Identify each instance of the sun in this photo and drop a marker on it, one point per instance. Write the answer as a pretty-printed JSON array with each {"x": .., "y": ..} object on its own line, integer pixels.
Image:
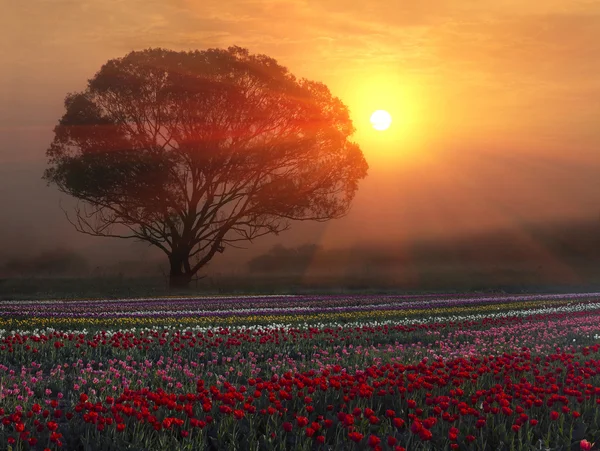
[{"x": 381, "y": 120}]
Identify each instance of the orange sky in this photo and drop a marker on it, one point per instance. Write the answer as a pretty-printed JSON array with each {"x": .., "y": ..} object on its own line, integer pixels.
[{"x": 496, "y": 103}]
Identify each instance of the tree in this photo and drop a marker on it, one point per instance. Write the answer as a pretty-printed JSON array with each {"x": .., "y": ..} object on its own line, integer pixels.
[{"x": 196, "y": 151}]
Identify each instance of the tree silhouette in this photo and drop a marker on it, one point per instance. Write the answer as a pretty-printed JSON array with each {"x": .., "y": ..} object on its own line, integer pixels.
[{"x": 196, "y": 151}]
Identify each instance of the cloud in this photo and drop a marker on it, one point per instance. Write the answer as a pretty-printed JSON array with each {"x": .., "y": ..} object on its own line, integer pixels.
[
  {"x": 492, "y": 37},
  {"x": 499, "y": 56}
]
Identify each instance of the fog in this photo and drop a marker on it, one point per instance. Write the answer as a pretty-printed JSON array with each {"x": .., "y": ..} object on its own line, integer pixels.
[{"x": 486, "y": 140}]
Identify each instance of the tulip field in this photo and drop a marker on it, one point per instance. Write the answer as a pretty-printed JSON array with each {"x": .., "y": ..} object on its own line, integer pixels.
[{"x": 343, "y": 372}]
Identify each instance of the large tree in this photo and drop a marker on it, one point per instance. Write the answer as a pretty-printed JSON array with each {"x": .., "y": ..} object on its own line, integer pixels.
[{"x": 196, "y": 151}]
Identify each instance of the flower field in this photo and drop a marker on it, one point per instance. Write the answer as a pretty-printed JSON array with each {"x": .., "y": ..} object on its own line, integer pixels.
[{"x": 302, "y": 373}]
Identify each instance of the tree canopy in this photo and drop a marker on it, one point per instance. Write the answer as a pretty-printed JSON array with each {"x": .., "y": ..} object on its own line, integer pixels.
[{"x": 196, "y": 151}]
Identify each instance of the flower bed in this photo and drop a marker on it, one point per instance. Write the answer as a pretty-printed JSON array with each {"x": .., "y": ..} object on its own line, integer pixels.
[{"x": 307, "y": 373}]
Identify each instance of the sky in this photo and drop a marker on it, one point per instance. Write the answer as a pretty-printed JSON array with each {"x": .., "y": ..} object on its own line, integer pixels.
[{"x": 495, "y": 103}]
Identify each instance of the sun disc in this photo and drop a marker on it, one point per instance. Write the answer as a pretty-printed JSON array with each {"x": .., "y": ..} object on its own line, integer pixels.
[{"x": 381, "y": 120}]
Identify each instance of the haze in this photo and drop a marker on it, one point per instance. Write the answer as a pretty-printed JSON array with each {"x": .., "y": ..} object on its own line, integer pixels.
[{"x": 496, "y": 107}]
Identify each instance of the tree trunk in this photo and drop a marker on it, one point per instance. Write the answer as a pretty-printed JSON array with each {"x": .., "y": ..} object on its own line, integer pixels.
[
  {"x": 179, "y": 281},
  {"x": 178, "y": 277}
]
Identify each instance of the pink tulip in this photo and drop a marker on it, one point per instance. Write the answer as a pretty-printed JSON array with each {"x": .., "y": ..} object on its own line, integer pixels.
[{"x": 585, "y": 445}]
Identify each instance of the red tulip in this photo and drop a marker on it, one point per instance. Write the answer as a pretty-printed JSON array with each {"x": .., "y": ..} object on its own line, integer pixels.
[
  {"x": 374, "y": 441},
  {"x": 425, "y": 434},
  {"x": 584, "y": 445},
  {"x": 398, "y": 422},
  {"x": 355, "y": 436},
  {"x": 301, "y": 421}
]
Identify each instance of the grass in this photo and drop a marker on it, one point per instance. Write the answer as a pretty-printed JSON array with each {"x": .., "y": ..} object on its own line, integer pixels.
[{"x": 114, "y": 287}]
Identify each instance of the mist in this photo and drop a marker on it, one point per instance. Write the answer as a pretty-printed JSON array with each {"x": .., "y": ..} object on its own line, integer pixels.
[{"x": 486, "y": 142}]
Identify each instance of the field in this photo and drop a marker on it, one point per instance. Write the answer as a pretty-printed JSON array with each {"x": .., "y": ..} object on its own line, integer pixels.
[{"x": 337, "y": 372}]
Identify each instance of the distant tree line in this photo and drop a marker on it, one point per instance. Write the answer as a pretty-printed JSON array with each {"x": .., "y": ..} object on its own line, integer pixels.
[
  {"x": 537, "y": 252},
  {"x": 47, "y": 263},
  {"x": 62, "y": 262}
]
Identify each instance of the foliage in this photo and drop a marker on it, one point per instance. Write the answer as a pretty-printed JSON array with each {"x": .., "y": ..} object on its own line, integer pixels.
[{"x": 195, "y": 151}]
